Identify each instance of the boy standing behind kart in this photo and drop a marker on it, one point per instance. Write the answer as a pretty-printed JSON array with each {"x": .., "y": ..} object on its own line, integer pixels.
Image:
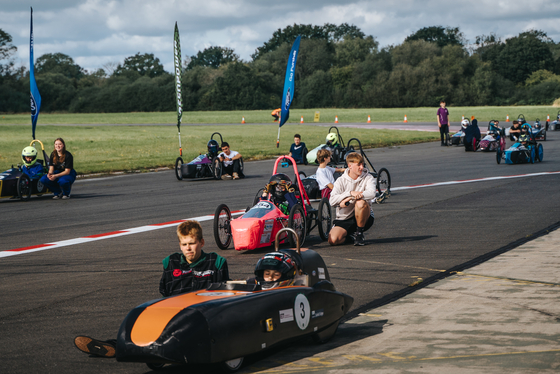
[
  {"x": 189, "y": 270},
  {"x": 443, "y": 122},
  {"x": 325, "y": 174}
]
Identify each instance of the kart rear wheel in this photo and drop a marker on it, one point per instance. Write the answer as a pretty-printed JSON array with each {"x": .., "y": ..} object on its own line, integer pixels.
[
  {"x": 217, "y": 168},
  {"x": 325, "y": 218},
  {"x": 447, "y": 139},
  {"x": 302, "y": 175},
  {"x": 498, "y": 156},
  {"x": 178, "y": 168},
  {"x": 540, "y": 152},
  {"x": 325, "y": 335},
  {"x": 155, "y": 367},
  {"x": 232, "y": 366},
  {"x": 532, "y": 156},
  {"x": 474, "y": 145},
  {"x": 24, "y": 187},
  {"x": 383, "y": 180},
  {"x": 258, "y": 197},
  {"x": 296, "y": 221},
  {"x": 222, "y": 227}
]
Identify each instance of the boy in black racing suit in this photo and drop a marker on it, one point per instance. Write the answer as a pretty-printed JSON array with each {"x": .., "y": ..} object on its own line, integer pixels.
[{"x": 185, "y": 271}]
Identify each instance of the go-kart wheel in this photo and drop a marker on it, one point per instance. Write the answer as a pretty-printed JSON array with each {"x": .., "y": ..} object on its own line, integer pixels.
[
  {"x": 474, "y": 144},
  {"x": 222, "y": 227},
  {"x": 296, "y": 221},
  {"x": 544, "y": 136},
  {"x": 447, "y": 139},
  {"x": 302, "y": 175},
  {"x": 325, "y": 218},
  {"x": 217, "y": 168},
  {"x": 24, "y": 187},
  {"x": 498, "y": 156},
  {"x": 241, "y": 166},
  {"x": 383, "y": 180},
  {"x": 178, "y": 168},
  {"x": 232, "y": 366},
  {"x": 532, "y": 156},
  {"x": 325, "y": 335},
  {"x": 540, "y": 152},
  {"x": 258, "y": 197},
  {"x": 155, "y": 367}
]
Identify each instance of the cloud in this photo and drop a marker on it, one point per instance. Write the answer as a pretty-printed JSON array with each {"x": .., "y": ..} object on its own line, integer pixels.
[{"x": 94, "y": 32}]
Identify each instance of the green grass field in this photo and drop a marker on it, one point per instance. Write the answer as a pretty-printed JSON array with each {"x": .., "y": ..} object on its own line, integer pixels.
[
  {"x": 125, "y": 148},
  {"x": 483, "y": 114}
]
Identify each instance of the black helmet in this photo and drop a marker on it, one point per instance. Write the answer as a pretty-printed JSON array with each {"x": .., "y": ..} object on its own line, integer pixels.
[
  {"x": 213, "y": 148},
  {"x": 524, "y": 138},
  {"x": 278, "y": 185},
  {"x": 280, "y": 262}
]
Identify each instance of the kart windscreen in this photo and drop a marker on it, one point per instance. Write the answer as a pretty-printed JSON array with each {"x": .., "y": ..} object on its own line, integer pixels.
[{"x": 260, "y": 210}]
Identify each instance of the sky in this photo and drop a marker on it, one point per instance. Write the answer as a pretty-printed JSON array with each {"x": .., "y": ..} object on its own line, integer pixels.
[{"x": 100, "y": 32}]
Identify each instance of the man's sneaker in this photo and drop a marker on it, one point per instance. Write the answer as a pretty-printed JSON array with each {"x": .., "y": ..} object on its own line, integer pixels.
[
  {"x": 226, "y": 176},
  {"x": 359, "y": 239},
  {"x": 235, "y": 176},
  {"x": 56, "y": 197},
  {"x": 94, "y": 346},
  {"x": 65, "y": 197},
  {"x": 350, "y": 238}
]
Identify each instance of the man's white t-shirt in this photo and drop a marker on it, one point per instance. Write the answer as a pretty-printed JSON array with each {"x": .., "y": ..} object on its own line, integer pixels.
[
  {"x": 232, "y": 154},
  {"x": 325, "y": 176}
]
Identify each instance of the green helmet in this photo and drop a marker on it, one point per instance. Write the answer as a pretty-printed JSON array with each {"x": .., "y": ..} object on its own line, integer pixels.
[
  {"x": 29, "y": 152},
  {"x": 332, "y": 139}
]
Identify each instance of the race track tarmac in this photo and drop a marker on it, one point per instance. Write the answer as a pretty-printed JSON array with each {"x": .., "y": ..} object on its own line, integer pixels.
[{"x": 420, "y": 233}]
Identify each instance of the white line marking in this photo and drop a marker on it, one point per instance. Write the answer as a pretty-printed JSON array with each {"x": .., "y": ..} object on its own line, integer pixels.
[{"x": 136, "y": 230}]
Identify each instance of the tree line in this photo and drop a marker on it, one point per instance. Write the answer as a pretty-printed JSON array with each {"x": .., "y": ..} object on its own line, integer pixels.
[{"x": 338, "y": 66}]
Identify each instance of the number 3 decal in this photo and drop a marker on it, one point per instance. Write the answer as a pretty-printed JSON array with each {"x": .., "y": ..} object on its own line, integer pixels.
[{"x": 301, "y": 304}]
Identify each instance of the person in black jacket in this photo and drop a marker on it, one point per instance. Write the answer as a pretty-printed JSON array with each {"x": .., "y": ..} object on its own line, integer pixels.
[{"x": 191, "y": 269}]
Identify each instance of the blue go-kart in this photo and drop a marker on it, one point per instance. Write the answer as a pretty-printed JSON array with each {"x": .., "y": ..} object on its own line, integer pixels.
[{"x": 520, "y": 153}]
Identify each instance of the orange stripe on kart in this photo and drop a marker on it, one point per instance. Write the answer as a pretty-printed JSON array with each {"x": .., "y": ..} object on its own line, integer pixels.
[{"x": 150, "y": 323}]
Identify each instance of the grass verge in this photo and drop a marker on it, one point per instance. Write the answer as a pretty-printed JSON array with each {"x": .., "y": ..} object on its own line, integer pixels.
[
  {"x": 99, "y": 149},
  {"x": 327, "y": 115}
]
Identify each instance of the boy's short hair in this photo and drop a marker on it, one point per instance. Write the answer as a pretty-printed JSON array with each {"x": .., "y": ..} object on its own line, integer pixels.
[
  {"x": 190, "y": 228},
  {"x": 355, "y": 157},
  {"x": 322, "y": 155},
  {"x": 225, "y": 144},
  {"x": 297, "y": 136},
  {"x": 515, "y": 122}
]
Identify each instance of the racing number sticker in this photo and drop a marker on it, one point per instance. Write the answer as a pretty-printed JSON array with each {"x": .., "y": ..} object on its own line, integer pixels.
[{"x": 302, "y": 311}]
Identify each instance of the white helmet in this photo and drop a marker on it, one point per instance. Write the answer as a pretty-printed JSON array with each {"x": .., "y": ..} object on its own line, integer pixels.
[{"x": 465, "y": 123}]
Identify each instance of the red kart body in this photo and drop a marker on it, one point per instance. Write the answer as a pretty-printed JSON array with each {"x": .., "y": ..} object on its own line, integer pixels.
[{"x": 257, "y": 228}]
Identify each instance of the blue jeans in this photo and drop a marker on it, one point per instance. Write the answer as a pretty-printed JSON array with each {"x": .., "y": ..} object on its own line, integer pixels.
[{"x": 62, "y": 184}]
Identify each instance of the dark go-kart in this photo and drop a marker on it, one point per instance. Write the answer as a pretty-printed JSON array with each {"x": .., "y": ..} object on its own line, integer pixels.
[
  {"x": 518, "y": 153},
  {"x": 15, "y": 184},
  {"x": 261, "y": 222},
  {"x": 232, "y": 320},
  {"x": 335, "y": 144},
  {"x": 204, "y": 166},
  {"x": 494, "y": 140}
]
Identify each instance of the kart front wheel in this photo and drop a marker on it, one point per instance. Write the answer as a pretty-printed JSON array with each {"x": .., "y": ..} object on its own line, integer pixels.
[
  {"x": 24, "y": 187},
  {"x": 296, "y": 221},
  {"x": 498, "y": 156},
  {"x": 222, "y": 226},
  {"x": 325, "y": 218},
  {"x": 383, "y": 180},
  {"x": 447, "y": 139},
  {"x": 217, "y": 168},
  {"x": 532, "y": 155},
  {"x": 232, "y": 366},
  {"x": 540, "y": 152},
  {"x": 179, "y": 168}
]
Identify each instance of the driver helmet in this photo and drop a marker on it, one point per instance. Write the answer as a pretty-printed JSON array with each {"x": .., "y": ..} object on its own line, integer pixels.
[
  {"x": 332, "y": 139},
  {"x": 521, "y": 120},
  {"x": 464, "y": 123},
  {"x": 279, "y": 262},
  {"x": 524, "y": 138},
  {"x": 29, "y": 152},
  {"x": 278, "y": 185},
  {"x": 213, "y": 148},
  {"x": 525, "y": 128}
]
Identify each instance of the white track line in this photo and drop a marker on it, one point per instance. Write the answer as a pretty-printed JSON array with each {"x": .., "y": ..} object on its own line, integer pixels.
[
  {"x": 136, "y": 230},
  {"x": 108, "y": 235}
]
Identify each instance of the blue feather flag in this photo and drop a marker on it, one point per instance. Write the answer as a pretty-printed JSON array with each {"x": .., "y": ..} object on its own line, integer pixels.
[
  {"x": 35, "y": 96},
  {"x": 289, "y": 85}
]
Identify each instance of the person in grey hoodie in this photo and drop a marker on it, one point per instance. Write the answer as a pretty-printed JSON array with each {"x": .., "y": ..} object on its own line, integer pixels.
[{"x": 352, "y": 195}]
